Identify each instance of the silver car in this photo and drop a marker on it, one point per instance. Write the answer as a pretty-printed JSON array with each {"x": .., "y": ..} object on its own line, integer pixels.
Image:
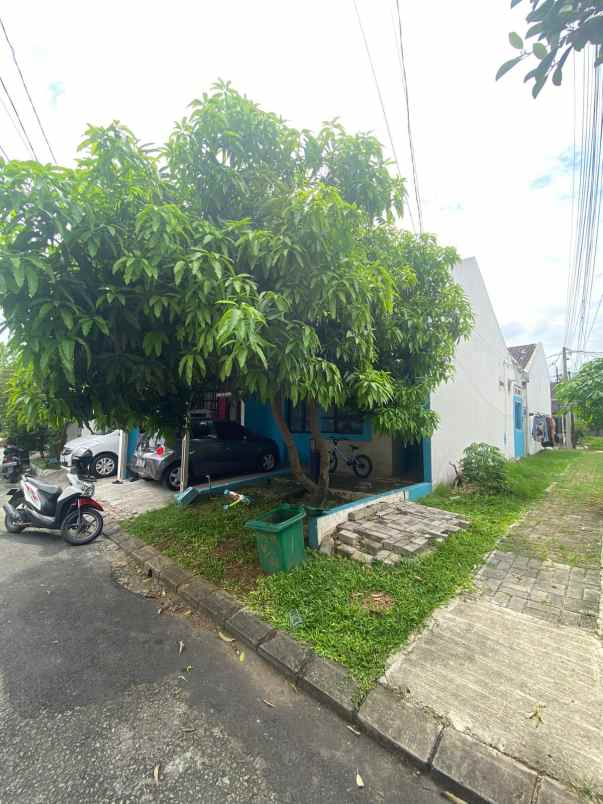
[{"x": 218, "y": 449}]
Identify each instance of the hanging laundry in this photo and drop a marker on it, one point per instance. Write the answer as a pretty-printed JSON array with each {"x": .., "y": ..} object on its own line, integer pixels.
[{"x": 539, "y": 428}]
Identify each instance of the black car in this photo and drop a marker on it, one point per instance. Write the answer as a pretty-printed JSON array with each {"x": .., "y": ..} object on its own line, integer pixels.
[{"x": 218, "y": 449}]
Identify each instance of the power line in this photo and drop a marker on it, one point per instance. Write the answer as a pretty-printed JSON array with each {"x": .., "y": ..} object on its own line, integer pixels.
[
  {"x": 580, "y": 319},
  {"x": 33, "y": 106},
  {"x": 381, "y": 101},
  {"x": 14, "y": 124},
  {"x": 594, "y": 321},
  {"x": 4, "y": 154},
  {"x": 408, "y": 125},
  {"x": 571, "y": 246},
  {"x": 31, "y": 148},
  {"x": 591, "y": 203}
]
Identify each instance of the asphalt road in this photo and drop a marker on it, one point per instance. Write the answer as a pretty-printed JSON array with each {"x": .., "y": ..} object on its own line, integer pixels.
[{"x": 94, "y": 695}]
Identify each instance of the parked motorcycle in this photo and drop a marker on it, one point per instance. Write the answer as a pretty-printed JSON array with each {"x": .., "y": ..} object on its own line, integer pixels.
[
  {"x": 73, "y": 510},
  {"x": 15, "y": 461}
]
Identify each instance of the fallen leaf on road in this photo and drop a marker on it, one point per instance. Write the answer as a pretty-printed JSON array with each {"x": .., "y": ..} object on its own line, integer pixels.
[
  {"x": 187, "y": 669},
  {"x": 225, "y": 638},
  {"x": 268, "y": 703},
  {"x": 180, "y": 647},
  {"x": 242, "y": 656},
  {"x": 453, "y": 798},
  {"x": 163, "y": 593},
  {"x": 353, "y": 730},
  {"x": 186, "y": 613},
  {"x": 156, "y": 774},
  {"x": 537, "y": 714},
  {"x": 159, "y": 611},
  {"x": 359, "y": 780}
]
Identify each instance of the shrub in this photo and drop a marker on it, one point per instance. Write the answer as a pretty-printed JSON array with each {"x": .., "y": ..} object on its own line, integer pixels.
[{"x": 485, "y": 467}]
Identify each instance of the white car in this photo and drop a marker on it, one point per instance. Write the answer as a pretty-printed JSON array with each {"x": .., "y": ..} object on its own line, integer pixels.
[{"x": 104, "y": 447}]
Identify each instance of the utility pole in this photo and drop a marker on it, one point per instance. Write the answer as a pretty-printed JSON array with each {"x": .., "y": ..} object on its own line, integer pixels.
[{"x": 568, "y": 417}]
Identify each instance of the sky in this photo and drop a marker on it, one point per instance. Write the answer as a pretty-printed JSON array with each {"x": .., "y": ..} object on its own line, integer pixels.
[{"x": 494, "y": 165}]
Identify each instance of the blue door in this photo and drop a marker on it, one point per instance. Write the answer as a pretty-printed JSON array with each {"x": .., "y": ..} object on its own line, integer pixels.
[{"x": 518, "y": 426}]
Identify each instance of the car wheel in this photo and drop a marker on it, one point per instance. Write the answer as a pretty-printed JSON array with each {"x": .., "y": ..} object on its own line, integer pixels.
[
  {"x": 171, "y": 477},
  {"x": 267, "y": 461},
  {"x": 105, "y": 464}
]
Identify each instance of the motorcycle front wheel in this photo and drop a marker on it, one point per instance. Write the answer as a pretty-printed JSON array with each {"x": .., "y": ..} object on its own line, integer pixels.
[
  {"x": 82, "y": 527},
  {"x": 9, "y": 523}
]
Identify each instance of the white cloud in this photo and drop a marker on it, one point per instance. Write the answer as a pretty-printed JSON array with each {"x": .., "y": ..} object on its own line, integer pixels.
[{"x": 482, "y": 147}]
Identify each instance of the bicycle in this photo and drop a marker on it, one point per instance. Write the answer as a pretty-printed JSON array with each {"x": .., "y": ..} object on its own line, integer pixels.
[{"x": 361, "y": 464}]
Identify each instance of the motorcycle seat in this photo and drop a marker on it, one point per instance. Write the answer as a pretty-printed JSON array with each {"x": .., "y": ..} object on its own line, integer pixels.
[{"x": 53, "y": 491}]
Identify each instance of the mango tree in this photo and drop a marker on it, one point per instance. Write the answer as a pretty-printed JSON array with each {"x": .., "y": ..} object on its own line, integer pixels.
[
  {"x": 245, "y": 253},
  {"x": 347, "y": 310}
]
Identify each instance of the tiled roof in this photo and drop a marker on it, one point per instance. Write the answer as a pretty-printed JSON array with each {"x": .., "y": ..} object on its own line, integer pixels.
[{"x": 522, "y": 354}]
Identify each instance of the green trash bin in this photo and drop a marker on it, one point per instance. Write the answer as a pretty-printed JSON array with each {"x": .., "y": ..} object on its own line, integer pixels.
[{"x": 279, "y": 538}]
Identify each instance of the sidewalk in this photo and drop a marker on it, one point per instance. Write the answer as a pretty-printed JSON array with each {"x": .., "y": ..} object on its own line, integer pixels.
[
  {"x": 133, "y": 497},
  {"x": 518, "y": 664}
]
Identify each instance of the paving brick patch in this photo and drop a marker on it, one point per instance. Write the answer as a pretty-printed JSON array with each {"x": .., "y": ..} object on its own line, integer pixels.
[
  {"x": 548, "y": 564},
  {"x": 554, "y": 592},
  {"x": 390, "y": 532}
]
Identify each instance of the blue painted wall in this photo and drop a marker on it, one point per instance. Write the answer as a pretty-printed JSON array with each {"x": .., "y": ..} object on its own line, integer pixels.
[
  {"x": 427, "y": 460},
  {"x": 259, "y": 419},
  {"x": 132, "y": 441},
  {"x": 518, "y": 426}
]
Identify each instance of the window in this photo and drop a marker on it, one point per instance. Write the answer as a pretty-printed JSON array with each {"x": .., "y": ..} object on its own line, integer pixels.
[
  {"x": 341, "y": 420},
  {"x": 334, "y": 420},
  {"x": 518, "y": 416},
  {"x": 298, "y": 418}
]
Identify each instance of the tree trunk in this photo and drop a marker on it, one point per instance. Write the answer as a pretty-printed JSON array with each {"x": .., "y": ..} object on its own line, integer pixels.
[
  {"x": 323, "y": 448},
  {"x": 296, "y": 467}
]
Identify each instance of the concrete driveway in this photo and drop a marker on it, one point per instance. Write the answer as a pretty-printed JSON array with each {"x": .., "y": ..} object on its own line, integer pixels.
[{"x": 94, "y": 695}]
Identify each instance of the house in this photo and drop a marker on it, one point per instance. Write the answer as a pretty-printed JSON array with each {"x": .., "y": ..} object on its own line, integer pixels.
[
  {"x": 492, "y": 397},
  {"x": 532, "y": 361},
  {"x": 484, "y": 401}
]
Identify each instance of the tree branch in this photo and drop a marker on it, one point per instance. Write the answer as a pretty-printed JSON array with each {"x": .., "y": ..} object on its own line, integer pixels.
[
  {"x": 276, "y": 404},
  {"x": 323, "y": 448}
]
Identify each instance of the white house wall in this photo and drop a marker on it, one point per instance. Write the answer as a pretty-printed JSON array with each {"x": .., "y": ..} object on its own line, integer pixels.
[
  {"x": 538, "y": 393},
  {"x": 476, "y": 404}
]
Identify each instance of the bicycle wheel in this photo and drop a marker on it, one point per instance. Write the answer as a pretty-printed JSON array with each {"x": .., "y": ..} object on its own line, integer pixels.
[{"x": 362, "y": 466}]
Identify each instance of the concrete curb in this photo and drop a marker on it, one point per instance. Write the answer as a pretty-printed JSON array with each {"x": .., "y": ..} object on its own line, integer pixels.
[{"x": 478, "y": 773}]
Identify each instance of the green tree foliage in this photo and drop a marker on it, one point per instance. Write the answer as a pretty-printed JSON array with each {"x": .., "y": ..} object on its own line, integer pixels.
[
  {"x": 485, "y": 467},
  {"x": 584, "y": 394},
  {"x": 555, "y": 29},
  {"x": 24, "y": 413},
  {"x": 245, "y": 254}
]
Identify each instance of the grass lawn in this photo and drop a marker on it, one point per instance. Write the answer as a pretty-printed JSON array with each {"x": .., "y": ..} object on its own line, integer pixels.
[
  {"x": 213, "y": 542},
  {"x": 592, "y": 442},
  {"x": 327, "y": 592},
  {"x": 548, "y": 533}
]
